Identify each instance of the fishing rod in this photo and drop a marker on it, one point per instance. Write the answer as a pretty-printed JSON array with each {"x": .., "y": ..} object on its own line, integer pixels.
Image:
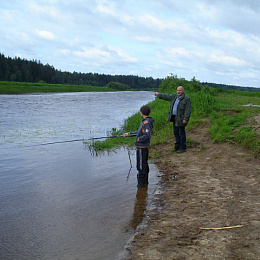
[{"x": 83, "y": 139}]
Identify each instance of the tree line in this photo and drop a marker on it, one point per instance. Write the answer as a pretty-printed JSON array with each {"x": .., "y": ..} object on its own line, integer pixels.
[
  {"x": 228, "y": 87},
  {"x": 22, "y": 70}
]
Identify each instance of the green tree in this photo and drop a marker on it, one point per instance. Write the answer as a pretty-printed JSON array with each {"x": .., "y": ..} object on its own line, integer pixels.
[{"x": 196, "y": 84}]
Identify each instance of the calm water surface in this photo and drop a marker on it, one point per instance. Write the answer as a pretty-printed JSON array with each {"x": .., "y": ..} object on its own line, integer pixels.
[{"x": 58, "y": 201}]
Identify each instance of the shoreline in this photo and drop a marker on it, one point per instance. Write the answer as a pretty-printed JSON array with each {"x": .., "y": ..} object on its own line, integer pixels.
[
  {"x": 209, "y": 186},
  {"x": 152, "y": 209}
]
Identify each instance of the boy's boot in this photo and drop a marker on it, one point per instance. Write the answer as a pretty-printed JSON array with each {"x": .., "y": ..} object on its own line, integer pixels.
[
  {"x": 146, "y": 179},
  {"x": 140, "y": 180}
]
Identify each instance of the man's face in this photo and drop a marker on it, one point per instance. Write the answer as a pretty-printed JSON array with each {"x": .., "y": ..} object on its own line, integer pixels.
[{"x": 180, "y": 91}]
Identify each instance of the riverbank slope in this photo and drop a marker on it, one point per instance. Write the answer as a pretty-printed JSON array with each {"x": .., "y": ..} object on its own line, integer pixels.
[{"x": 210, "y": 186}]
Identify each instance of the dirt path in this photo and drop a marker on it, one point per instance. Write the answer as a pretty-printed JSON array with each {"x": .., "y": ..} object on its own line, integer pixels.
[{"x": 209, "y": 186}]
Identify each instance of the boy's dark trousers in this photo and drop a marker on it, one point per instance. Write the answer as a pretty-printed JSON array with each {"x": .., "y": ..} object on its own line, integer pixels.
[{"x": 142, "y": 166}]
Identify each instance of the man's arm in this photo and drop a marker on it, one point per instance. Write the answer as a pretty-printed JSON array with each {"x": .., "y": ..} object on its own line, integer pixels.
[
  {"x": 164, "y": 96},
  {"x": 187, "y": 111}
]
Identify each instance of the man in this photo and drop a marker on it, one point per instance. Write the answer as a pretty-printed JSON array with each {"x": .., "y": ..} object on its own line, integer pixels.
[
  {"x": 179, "y": 114},
  {"x": 142, "y": 143}
]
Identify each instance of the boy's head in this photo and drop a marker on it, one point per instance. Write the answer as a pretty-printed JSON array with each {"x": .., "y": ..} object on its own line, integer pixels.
[{"x": 145, "y": 110}]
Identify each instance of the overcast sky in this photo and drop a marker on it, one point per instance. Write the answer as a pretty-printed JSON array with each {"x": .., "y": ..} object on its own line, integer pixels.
[{"x": 211, "y": 40}]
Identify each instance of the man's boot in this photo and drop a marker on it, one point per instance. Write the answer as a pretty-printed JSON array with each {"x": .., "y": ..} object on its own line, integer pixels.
[{"x": 181, "y": 150}]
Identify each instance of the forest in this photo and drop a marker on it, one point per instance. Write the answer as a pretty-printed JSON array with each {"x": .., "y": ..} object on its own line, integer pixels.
[
  {"x": 22, "y": 70},
  {"x": 228, "y": 87}
]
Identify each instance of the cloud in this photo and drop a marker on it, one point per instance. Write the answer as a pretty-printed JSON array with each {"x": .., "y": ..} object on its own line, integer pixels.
[
  {"x": 107, "y": 7},
  {"x": 148, "y": 39},
  {"x": 209, "y": 39},
  {"x": 98, "y": 59},
  {"x": 105, "y": 55},
  {"x": 45, "y": 35},
  {"x": 210, "y": 58}
]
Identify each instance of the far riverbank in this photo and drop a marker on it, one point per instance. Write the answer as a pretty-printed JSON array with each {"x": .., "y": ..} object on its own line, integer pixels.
[{"x": 10, "y": 87}]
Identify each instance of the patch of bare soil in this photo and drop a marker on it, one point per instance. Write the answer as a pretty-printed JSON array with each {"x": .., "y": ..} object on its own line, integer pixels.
[{"x": 209, "y": 186}]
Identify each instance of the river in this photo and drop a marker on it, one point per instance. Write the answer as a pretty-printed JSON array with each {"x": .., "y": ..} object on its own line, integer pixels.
[{"x": 59, "y": 201}]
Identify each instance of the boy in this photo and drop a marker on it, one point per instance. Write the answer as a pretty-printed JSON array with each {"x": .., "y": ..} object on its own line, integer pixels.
[{"x": 142, "y": 142}]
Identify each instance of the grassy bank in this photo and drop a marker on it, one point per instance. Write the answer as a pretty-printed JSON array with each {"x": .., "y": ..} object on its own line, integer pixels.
[
  {"x": 235, "y": 122},
  {"x": 9, "y": 87},
  {"x": 230, "y": 120}
]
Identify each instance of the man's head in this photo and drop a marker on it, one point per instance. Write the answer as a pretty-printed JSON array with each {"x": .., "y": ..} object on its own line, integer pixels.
[
  {"x": 180, "y": 91},
  {"x": 145, "y": 110}
]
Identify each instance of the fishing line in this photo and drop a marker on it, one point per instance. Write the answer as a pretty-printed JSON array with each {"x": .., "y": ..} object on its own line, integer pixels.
[{"x": 77, "y": 140}]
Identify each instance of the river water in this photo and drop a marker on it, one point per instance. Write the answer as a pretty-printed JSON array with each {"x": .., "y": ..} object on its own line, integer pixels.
[{"x": 59, "y": 201}]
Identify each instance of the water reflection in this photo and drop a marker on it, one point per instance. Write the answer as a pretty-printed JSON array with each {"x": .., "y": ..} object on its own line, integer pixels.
[
  {"x": 131, "y": 166},
  {"x": 104, "y": 152},
  {"x": 141, "y": 199},
  {"x": 57, "y": 201},
  {"x": 140, "y": 207}
]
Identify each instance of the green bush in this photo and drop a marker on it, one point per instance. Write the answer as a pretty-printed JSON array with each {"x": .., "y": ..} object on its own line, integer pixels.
[
  {"x": 117, "y": 86},
  {"x": 248, "y": 138}
]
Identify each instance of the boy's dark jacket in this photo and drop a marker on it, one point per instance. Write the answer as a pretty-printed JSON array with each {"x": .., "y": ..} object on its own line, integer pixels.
[
  {"x": 143, "y": 134},
  {"x": 183, "y": 109}
]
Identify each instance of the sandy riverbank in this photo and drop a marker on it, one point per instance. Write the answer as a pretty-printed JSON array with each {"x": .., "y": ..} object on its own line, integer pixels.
[{"x": 209, "y": 186}]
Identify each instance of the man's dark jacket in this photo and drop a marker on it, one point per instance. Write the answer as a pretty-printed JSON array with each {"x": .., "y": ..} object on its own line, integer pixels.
[{"x": 183, "y": 109}]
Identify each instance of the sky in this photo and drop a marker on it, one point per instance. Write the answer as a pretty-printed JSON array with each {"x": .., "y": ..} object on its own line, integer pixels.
[{"x": 216, "y": 41}]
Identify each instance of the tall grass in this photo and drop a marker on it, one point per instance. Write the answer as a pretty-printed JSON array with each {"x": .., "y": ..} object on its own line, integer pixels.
[
  {"x": 235, "y": 122},
  {"x": 229, "y": 118},
  {"x": 202, "y": 104}
]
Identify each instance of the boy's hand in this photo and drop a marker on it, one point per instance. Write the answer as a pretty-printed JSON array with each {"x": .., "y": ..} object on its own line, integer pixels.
[
  {"x": 125, "y": 134},
  {"x": 156, "y": 93}
]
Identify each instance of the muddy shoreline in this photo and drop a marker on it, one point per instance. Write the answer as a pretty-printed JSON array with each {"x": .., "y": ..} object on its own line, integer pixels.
[{"x": 210, "y": 186}]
